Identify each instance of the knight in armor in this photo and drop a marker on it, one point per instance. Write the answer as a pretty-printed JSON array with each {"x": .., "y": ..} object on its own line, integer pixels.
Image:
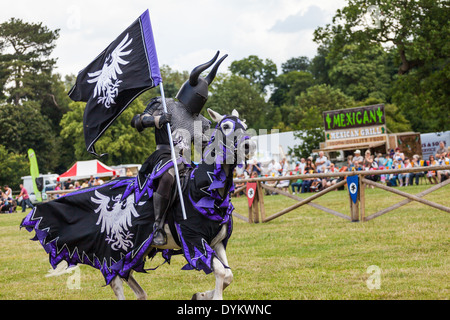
[{"x": 182, "y": 112}]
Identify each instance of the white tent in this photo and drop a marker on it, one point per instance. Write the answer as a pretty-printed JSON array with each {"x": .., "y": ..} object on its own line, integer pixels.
[{"x": 86, "y": 169}]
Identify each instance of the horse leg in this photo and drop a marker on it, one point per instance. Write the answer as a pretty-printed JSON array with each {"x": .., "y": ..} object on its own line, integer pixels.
[
  {"x": 117, "y": 287},
  {"x": 137, "y": 289},
  {"x": 223, "y": 275}
]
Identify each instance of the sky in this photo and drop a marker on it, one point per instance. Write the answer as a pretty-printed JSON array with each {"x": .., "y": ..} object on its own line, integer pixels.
[{"x": 187, "y": 32}]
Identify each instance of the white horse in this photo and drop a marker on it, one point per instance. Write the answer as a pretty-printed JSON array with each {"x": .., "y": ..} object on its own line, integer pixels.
[{"x": 223, "y": 275}]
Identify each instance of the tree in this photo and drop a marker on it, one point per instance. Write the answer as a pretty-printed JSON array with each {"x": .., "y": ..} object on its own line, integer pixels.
[
  {"x": 24, "y": 57},
  {"x": 235, "y": 92},
  {"x": 307, "y": 116},
  {"x": 25, "y": 127},
  {"x": 289, "y": 85},
  {"x": 296, "y": 64},
  {"x": 417, "y": 33},
  {"x": 319, "y": 66},
  {"x": 121, "y": 142},
  {"x": 362, "y": 74},
  {"x": 418, "y": 30},
  {"x": 260, "y": 73},
  {"x": 13, "y": 167}
]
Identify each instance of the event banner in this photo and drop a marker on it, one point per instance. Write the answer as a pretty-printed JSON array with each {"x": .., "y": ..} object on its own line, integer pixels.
[{"x": 354, "y": 117}]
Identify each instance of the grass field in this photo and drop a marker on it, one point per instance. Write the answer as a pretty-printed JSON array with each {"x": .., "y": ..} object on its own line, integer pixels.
[{"x": 305, "y": 254}]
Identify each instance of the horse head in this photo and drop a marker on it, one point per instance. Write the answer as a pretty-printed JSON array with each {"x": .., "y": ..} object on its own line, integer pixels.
[{"x": 229, "y": 142}]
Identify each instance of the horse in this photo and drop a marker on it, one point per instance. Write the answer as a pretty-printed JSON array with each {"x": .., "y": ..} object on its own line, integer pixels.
[{"x": 121, "y": 220}]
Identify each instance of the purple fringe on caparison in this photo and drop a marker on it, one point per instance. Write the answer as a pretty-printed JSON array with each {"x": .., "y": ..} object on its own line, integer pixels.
[{"x": 131, "y": 261}]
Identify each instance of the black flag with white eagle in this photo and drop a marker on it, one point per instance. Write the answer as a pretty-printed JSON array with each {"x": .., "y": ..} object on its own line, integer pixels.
[{"x": 125, "y": 69}]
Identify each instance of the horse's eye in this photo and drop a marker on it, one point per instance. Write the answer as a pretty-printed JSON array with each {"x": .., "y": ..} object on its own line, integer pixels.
[{"x": 227, "y": 127}]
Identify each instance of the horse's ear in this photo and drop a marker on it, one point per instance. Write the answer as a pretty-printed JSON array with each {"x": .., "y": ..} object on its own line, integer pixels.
[
  {"x": 235, "y": 113},
  {"x": 217, "y": 117}
]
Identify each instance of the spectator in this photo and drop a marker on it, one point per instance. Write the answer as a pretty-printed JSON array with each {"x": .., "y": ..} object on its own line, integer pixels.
[
  {"x": 57, "y": 188},
  {"x": 411, "y": 175},
  {"x": 25, "y": 198},
  {"x": 332, "y": 180},
  {"x": 91, "y": 182},
  {"x": 443, "y": 160},
  {"x": 283, "y": 184},
  {"x": 392, "y": 178},
  {"x": 357, "y": 158},
  {"x": 400, "y": 165},
  {"x": 302, "y": 165},
  {"x": 442, "y": 149},
  {"x": 299, "y": 169},
  {"x": 357, "y": 166},
  {"x": 8, "y": 192},
  {"x": 350, "y": 164},
  {"x": 399, "y": 154},
  {"x": 387, "y": 163},
  {"x": 309, "y": 169},
  {"x": 431, "y": 175},
  {"x": 98, "y": 181},
  {"x": 255, "y": 166},
  {"x": 67, "y": 184},
  {"x": 321, "y": 162},
  {"x": 408, "y": 165},
  {"x": 274, "y": 168},
  {"x": 3, "y": 201},
  {"x": 284, "y": 165},
  {"x": 379, "y": 159},
  {"x": 368, "y": 160},
  {"x": 77, "y": 185}
]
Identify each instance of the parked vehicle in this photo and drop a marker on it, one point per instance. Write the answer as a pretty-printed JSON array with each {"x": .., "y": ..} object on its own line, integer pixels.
[{"x": 49, "y": 183}]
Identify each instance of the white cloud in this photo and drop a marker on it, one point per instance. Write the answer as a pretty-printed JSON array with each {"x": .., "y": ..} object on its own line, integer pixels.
[{"x": 187, "y": 33}]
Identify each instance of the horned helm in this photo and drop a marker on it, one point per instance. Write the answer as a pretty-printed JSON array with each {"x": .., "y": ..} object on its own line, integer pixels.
[{"x": 194, "y": 92}]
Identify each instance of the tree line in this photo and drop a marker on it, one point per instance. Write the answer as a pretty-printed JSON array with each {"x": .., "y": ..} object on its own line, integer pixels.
[{"x": 392, "y": 52}]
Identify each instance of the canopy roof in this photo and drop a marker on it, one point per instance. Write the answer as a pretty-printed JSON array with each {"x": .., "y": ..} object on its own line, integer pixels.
[{"x": 86, "y": 169}]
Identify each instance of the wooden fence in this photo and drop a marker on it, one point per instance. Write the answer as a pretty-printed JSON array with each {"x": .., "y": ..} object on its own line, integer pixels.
[{"x": 257, "y": 213}]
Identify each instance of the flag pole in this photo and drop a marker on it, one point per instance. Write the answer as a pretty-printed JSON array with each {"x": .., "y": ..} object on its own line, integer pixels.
[{"x": 172, "y": 149}]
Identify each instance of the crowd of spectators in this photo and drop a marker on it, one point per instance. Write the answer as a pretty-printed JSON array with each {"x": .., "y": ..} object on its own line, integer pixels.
[
  {"x": 395, "y": 159},
  {"x": 9, "y": 203}
]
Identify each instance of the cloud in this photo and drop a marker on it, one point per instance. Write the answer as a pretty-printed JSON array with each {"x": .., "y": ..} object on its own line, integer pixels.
[
  {"x": 308, "y": 20},
  {"x": 187, "y": 33}
]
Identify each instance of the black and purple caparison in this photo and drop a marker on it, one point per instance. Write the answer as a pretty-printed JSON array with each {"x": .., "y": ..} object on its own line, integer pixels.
[{"x": 110, "y": 227}]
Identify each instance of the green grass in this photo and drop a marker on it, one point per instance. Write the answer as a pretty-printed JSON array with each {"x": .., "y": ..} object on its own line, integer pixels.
[{"x": 305, "y": 254}]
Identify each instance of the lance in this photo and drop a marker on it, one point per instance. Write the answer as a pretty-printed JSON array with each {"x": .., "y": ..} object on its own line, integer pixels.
[{"x": 172, "y": 149}]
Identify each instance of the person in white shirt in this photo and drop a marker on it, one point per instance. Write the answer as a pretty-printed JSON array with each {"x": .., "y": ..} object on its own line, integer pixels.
[
  {"x": 321, "y": 162},
  {"x": 399, "y": 154},
  {"x": 358, "y": 158},
  {"x": 274, "y": 167},
  {"x": 8, "y": 192}
]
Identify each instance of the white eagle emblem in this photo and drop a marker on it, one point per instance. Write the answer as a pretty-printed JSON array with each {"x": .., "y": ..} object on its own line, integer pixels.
[
  {"x": 107, "y": 81},
  {"x": 116, "y": 219}
]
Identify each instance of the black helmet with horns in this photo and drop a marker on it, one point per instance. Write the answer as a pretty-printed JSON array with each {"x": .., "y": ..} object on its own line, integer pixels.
[{"x": 194, "y": 92}]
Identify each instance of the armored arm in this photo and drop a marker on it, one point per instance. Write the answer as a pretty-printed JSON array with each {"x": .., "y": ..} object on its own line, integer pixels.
[{"x": 151, "y": 118}]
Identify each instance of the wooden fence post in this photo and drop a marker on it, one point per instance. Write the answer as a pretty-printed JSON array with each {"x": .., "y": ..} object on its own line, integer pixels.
[
  {"x": 253, "y": 210},
  {"x": 362, "y": 199}
]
